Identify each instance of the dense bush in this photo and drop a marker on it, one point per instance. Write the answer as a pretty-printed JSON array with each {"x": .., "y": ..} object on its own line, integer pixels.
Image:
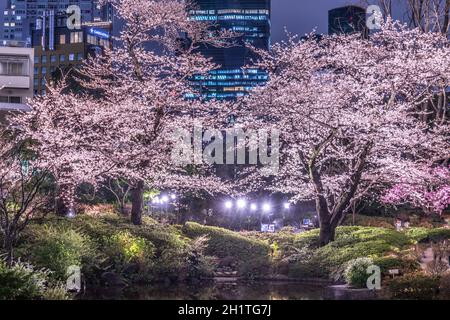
[
  {"x": 370, "y": 221},
  {"x": 224, "y": 243},
  {"x": 150, "y": 252},
  {"x": 23, "y": 281},
  {"x": 351, "y": 243},
  {"x": 129, "y": 254},
  {"x": 415, "y": 287},
  {"x": 198, "y": 264},
  {"x": 302, "y": 258},
  {"x": 128, "y": 248},
  {"x": 405, "y": 265},
  {"x": 253, "y": 255},
  {"x": 356, "y": 272},
  {"x": 57, "y": 248},
  {"x": 426, "y": 234}
]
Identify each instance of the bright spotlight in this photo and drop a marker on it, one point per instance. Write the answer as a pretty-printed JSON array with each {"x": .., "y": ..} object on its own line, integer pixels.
[
  {"x": 173, "y": 196},
  {"x": 287, "y": 205},
  {"x": 71, "y": 213},
  {"x": 164, "y": 199},
  {"x": 253, "y": 207},
  {"x": 267, "y": 207},
  {"x": 241, "y": 203},
  {"x": 228, "y": 204}
]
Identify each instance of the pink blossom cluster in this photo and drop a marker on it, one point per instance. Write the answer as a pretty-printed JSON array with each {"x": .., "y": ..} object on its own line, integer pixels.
[{"x": 429, "y": 191}]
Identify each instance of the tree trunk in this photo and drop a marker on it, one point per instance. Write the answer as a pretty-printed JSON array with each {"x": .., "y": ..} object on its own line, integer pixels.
[
  {"x": 65, "y": 200},
  {"x": 137, "y": 203},
  {"x": 8, "y": 246},
  {"x": 327, "y": 233}
]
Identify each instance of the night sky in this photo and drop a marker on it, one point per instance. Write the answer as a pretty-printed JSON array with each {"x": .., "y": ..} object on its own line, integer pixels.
[{"x": 302, "y": 16}]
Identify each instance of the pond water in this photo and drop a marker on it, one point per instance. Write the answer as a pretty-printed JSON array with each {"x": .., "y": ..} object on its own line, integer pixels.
[{"x": 210, "y": 290}]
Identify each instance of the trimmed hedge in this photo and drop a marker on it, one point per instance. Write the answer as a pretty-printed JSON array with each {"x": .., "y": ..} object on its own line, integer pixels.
[
  {"x": 425, "y": 234},
  {"x": 351, "y": 242}
]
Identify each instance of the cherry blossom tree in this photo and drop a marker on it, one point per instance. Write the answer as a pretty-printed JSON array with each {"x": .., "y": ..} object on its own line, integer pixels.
[
  {"x": 346, "y": 108},
  {"x": 426, "y": 188},
  {"x": 123, "y": 123},
  {"x": 20, "y": 198}
]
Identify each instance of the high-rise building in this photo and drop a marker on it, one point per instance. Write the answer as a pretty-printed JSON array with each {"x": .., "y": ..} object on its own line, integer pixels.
[
  {"x": 348, "y": 19},
  {"x": 58, "y": 49},
  {"x": 19, "y": 16},
  {"x": 16, "y": 77},
  {"x": 250, "y": 20}
]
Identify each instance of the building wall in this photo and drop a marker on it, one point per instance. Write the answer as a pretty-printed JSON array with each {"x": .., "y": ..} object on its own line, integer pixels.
[
  {"x": 251, "y": 20},
  {"x": 22, "y": 14},
  {"x": 71, "y": 48},
  {"x": 3, "y": 5},
  {"x": 16, "y": 85}
]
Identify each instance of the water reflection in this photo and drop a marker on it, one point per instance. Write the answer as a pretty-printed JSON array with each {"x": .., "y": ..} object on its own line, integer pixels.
[{"x": 210, "y": 290}]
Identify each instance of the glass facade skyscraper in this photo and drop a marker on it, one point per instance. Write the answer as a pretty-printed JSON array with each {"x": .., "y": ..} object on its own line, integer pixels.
[
  {"x": 250, "y": 19},
  {"x": 19, "y": 16}
]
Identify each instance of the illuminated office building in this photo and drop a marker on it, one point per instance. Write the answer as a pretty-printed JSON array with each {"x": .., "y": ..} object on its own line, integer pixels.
[
  {"x": 19, "y": 16},
  {"x": 251, "y": 20},
  {"x": 58, "y": 49}
]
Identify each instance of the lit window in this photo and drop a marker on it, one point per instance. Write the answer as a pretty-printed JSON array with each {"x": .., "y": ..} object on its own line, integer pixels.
[
  {"x": 44, "y": 59},
  {"x": 71, "y": 57},
  {"x": 62, "y": 58},
  {"x": 62, "y": 39},
  {"x": 76, "y": 37}
]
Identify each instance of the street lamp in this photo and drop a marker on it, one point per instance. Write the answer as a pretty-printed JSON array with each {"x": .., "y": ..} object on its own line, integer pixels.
[
  {"x": 164, "y": 199},
  {"x": 241, "y": 203},
  {"x": 228, "y": 205},
  {"x": 267, "y": 207},
  {"x": 253, "y": 207},
  {"x": 173, "y": 196},
  {"x": 287, "y": 205}
]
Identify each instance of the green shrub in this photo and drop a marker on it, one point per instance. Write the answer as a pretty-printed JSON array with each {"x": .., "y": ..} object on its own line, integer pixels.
[
  {"x": 57, "y": 248},
  {"x": 251, "y": 253},
  {"x": 403, "y": 264},
  {"x": 415, "y": 287},
  {"x": 125, "y": 250},
  {"x": 426, "y": 234},
  {"x": 22, "y": 281},
  {"x": 57, "y": 292},
  {"x": 370, "y": 221},
  {"x": 198, "y": 264},
  {"x": 128, "y": 248},
  {"x": 356, "y": 272},
  {"x": 255, "y": 269},
  {"x": 351, "y": 242}
]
